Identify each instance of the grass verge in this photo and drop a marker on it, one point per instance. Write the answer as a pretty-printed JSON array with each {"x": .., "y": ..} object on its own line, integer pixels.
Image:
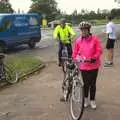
[{"x": 22, "y": 64}]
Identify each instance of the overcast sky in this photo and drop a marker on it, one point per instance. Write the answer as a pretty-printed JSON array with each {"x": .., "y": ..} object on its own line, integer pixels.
[{"x": 69, "y": 5}]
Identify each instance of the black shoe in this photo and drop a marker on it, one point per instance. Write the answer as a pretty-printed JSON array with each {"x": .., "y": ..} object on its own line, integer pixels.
[
  {"x": 59, "y": 65},
  {"x": 62, "y": 99},
  {"x": 108, "y": 64}
]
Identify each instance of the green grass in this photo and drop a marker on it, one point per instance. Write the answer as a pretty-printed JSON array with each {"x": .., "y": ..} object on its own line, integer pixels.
[
  {"x": 22, "y": 64},
  {"x": 117, "y": 21}
]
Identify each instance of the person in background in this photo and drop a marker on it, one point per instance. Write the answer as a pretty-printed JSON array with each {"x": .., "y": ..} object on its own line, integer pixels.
[{"x": 111, "y": 38}]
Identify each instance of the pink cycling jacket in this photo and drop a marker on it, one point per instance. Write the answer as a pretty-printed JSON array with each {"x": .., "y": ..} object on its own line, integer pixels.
[{"x": 89, "y": 47}]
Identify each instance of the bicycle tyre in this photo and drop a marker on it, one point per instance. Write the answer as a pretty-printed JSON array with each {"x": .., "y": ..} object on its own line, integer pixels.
[
  {"x": 10, "y": 76},
  {"x": 64, "y": 68},
  {"x": 65, "y": 87},
  {"x": 81, "y": 99}
]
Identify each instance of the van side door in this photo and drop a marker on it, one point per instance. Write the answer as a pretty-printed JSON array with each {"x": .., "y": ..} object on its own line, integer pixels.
[{"x": 21, "y": 26}]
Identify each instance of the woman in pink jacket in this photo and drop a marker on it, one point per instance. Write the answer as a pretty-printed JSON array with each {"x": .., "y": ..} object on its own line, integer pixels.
[{"x": 88, "y": 47}]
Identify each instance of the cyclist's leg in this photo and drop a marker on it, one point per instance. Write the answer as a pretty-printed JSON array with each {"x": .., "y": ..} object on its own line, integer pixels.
[
  {"x": 69, "y": 49},
  {"x": 85, "y": 77},
  {"x": 60, "y": 52},
  {"x": 109, "y": 51},
  {"x": 93, "y": 78},
  {"x": 112, "y": 50}
]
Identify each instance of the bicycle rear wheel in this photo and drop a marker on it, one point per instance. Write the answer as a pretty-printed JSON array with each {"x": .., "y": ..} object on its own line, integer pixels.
[
  {"x": 10, "y": 76},
  {"x": 65, "y": 86},
  {"x": 64, "y": 66},
  {"x": 77, "y": 100}
]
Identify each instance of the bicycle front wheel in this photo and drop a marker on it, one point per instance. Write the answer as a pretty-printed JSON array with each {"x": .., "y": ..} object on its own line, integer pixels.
[
  {"x": 77, "y": 100},
  {"x": 10, "y": 76}
]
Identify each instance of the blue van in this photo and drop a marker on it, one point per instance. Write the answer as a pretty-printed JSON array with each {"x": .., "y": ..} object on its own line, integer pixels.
[{"x": 16, "y": 29}]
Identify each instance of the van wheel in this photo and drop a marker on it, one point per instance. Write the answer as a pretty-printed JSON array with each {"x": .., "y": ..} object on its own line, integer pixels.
[
  {"x": 32, "y": 44},
  {"x": 3, "y": 48}
]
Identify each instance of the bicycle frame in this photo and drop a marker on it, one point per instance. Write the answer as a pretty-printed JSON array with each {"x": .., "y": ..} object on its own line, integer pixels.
[{"x": 70, "y": 76}]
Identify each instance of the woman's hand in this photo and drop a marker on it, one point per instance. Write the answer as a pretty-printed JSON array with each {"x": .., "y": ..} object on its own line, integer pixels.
[{"x": 92, "y": 60}]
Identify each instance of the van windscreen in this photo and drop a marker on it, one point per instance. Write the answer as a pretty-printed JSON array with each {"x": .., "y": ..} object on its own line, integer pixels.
[
  {"x": 0, "y": 21},
  {"x": 0, "y": 18}
]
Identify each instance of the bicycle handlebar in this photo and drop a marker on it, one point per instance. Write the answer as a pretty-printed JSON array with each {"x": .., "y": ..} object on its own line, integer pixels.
[{"x": 71, "y": 59}]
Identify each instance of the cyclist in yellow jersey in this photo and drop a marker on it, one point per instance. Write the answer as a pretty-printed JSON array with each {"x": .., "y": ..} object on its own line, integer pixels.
[{"x": 64, "y": 34}]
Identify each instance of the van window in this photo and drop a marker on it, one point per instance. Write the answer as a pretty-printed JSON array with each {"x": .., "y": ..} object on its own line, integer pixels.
[
  {"x": 0, "y": 18},
  {"x": 20, "y": 22},
  {"x": 33, "y": 21},
  {"x": 5, "y": 26}
]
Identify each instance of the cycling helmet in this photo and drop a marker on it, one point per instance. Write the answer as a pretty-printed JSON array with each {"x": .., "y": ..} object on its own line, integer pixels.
[
  {"x": 63, "y": 20},
  {"x": 84, "y": 24}
]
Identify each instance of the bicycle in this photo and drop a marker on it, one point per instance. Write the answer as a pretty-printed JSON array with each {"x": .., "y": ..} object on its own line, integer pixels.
[
  {"x": 73, "y": 88},
  {"x": 6, "y": 74}
]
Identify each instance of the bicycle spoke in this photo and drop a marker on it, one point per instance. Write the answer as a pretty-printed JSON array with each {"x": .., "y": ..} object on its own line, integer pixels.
[{"x": 10, "y": 76}]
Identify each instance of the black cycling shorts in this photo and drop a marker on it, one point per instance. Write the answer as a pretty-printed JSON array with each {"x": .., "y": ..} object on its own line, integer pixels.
[{"x": 110, "y": 43}]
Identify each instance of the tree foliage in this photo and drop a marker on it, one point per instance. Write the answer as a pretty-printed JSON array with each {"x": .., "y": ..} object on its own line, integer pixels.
[
  {"x": 47, "y": 8},
  {"x": 92, "y": 15},
  {"x": 115, "y": 13},
  {"x": 5, "y": 7}
]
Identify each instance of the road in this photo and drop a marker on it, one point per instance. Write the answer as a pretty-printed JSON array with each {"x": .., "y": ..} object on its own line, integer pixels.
[
  {"x": 37, "y": 98},
  {"x": 47, "y": 42}
]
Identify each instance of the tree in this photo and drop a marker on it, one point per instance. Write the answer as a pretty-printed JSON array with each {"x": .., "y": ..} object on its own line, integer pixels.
[
  {"x": 117, "y": 1},
  {"x": 82, "y": 12},
  {"x": 98, "y": 11},
  {"x": 92, "y": 15},
  {"x": 46, "y": 8},
  {"x": 74, "y": 14},
  {"x": 5, "y": 7},
  {"x": 115, "y": 12}
]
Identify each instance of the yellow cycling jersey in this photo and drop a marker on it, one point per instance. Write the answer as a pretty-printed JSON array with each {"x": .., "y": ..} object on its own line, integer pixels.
[{"x": 63, "y": 34}]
